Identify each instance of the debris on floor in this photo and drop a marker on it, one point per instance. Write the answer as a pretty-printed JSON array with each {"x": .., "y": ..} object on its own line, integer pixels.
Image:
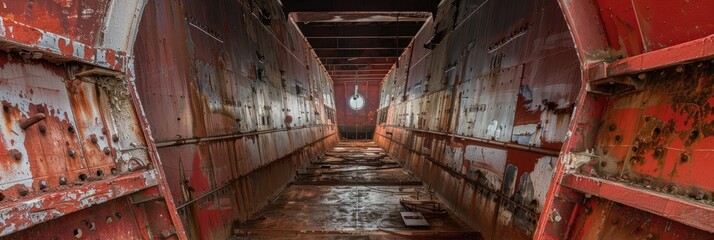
[
  {"x": 414, "y": 219},
  {"x": 355, "y": 191}
]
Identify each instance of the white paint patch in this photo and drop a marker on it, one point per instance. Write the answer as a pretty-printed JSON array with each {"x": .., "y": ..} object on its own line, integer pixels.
[
  {"x": 51, "y": 42},
  {"x": 78, "y": 50},
  {"x": 550, "y": 91},
  {"x": 542, "y": 177},
  {"x": 526, "y": 134},
  {"x": 121, "y": 24},
  {"x": 493, "y": 131},
  {"x": 493, "y": 159},
  {"x": 101, "y": 57},
  {"x": 505, "y": 217},
  {"x": 8, "y": 229},
  {"x": 87, "y": 13},
  {"x": 18, "y": 82},
  {"x": 2, "y": 26},
  {"x": 150, "y": 178}
]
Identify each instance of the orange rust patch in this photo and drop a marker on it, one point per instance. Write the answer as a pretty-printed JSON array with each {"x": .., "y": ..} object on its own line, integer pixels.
[{"x": 22, "y": 33}]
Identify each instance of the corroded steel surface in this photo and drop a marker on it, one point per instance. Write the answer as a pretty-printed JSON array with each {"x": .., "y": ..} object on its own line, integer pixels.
[
  {"x": 520, "y": 133},
  {"x": 74, "y": 140},
  {"x": 238, "y": 104},
  {"x": 481, "y": 117},
  {"x": 642, "y": 127},
  {"x": 503, "y": 113}
]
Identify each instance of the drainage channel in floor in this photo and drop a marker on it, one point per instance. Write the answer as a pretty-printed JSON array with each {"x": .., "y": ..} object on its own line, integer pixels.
[{"x": 355, "y": 191}]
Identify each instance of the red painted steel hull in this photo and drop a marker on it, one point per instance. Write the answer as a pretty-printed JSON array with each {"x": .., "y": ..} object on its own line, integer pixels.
[{"x": 547, "y": 119}]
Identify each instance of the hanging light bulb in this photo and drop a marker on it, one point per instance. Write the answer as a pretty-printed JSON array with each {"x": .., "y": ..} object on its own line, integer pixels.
[{"x": 356, "y": 102}]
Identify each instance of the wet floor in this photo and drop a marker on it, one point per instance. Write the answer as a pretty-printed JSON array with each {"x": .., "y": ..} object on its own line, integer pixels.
[{"x": 354, "y": 192}]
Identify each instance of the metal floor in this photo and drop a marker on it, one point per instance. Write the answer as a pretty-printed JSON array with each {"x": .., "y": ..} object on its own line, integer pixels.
[{"x": 353, "y": 192}]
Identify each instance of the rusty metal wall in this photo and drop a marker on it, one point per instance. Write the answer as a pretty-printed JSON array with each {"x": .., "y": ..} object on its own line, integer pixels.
[
  {"x": 481, "y": 117},
  {"x": 489, "y": 103},
  {"x": 77, "y": 158},
  {"x": 636, "y": 163},
  {"x": 238, "y": 103},
  {"x": 526, "y": 136}
]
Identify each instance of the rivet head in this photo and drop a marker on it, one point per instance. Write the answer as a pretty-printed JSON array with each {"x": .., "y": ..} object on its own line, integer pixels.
[
  {"x": 16, "y": 154},
  {"x": 107, "y": 151},
  {"x": 43, "y": 185},
  {"x": 684, "y": 157},
  {"x": 23, "y": 191},
  {"x": 63, "y": 181},
  {"x": 93, "y": 139},
  {"x": 70, "y": 129},
  {"x": 115, "y": 138},
  {"x": 71, "y": 152}
]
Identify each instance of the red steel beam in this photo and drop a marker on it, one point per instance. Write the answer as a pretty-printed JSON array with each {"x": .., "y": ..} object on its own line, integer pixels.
[
  {"x": 355, "y": 43},
  {"x": 17, "y": 216},
  {"x": 360, "y": 71},
  {"x": 374, "y": 61},
  {"x": 352, "y": 74},
  {"x": 699, "y": 49},
  {"x": 360, "y": 6},
  {"x": 686, "y": 212},
  {"x": 36, "y": 40},
  {"x": 357, "y": 53},
  {"x": 350, "y": 30},
  {"x": 352, "y": 79}
]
